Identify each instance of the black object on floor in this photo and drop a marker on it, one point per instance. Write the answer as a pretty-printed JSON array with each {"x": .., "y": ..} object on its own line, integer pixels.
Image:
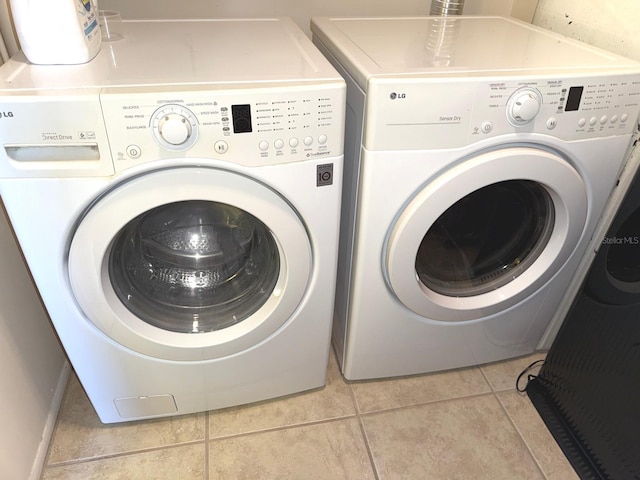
[{"x": 588, "y": 390}]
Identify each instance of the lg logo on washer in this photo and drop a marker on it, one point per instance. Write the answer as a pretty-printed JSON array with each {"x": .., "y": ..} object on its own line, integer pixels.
[
  {"x": 395, "y": 96},
  {"x": 6, "y": 114}
]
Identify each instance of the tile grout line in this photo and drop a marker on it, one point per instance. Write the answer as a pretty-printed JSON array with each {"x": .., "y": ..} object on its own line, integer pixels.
[
  {"x": 422, "y": 404},
  {"x": 486, "y": 379},
  {"x": 495, "y": 391},
  {"x": 124, "y": 454},
  {"x": 206, "y": 446},
  {"x": 55, "y": 428},
  {"x": 363, "y": 430},
  {"x": 522, "y": 439},
  {"x": 372, "y": 461},
  {"x": 282, "y": 427}
]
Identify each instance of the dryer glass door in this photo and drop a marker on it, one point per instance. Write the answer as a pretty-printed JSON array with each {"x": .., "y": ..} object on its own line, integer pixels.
[
  {"x": 486, "y": 239},
  {"x": 484, "y": 235}
]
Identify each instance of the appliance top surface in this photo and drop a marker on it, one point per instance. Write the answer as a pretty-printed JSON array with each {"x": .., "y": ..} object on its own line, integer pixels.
[
  {"x": 185, "y": 52},
  {"x": 465, "y": 45}
]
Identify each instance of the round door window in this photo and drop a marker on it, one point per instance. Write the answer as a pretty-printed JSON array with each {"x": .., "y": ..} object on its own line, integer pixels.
[
  {"x": 486, "y": 239},
  {"x": 194, "y": 266}
]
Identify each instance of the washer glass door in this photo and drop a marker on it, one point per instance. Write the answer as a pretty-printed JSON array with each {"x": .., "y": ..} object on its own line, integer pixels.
[
  {"x": 486, "y": 233},
  {"x": 194, "y": 266},
  {"x": 199, "y": 271}
]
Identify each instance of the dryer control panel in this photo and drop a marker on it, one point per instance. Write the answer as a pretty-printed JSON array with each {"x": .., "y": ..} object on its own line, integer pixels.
[{"x": 432, "y": 113}]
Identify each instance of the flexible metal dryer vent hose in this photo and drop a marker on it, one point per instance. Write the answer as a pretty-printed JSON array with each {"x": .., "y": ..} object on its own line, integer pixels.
[{"x": 446, "y": 8}]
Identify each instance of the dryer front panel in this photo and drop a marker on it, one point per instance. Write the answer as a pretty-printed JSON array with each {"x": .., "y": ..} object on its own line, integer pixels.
[
  {"x": 190, "y": 263},
  {"x": 486, "y": 233}
]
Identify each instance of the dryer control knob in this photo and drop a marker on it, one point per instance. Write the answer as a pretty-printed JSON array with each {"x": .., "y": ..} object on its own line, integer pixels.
[
  {"x": 523, "y": 106},
  {"x": 174, "y": 129}
]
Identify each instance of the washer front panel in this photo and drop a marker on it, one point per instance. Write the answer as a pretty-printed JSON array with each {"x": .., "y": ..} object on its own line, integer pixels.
[
  {"x": 563, "y": 184},
  {"x": 93, "y": 240}
]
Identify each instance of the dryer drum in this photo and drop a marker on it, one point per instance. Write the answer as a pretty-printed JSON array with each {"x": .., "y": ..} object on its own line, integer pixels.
[
  {"x": 486, "y": 239},
  {"x": 194, "y": 266}
]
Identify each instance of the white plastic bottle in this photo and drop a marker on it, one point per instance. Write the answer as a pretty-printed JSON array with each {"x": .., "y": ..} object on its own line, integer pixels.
[{"x": 57, "y": 32}]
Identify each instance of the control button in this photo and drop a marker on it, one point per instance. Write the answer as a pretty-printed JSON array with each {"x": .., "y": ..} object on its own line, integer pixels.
[
  {"x": 308, "y": 141},
  {"x": 624, "y": 117},
  {"x": 593, "y": 121},
  {"x": 134, "y": 151},
  {"x": 293, "y": 142},
  {"x": 322, "y": 139},
  {"x": 221, "y": 146},
  {"x": 614, "y": 119},
  {"x": 486, "y": 127},
  {"x": 263, "y": 145},
  {"x": 582, "y": 122},
  {"x": 603, "y": 119},
  {"x": 279, "y": 143},
  {"x": 552, "y": 123}
]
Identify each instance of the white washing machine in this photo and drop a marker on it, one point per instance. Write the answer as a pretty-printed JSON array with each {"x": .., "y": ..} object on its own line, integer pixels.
[
  {"x": 479, "y": 155},
  {"x": 177, "y": 200}
]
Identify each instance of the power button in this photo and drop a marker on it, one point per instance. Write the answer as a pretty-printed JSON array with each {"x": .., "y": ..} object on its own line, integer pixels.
[{"x": 134, "y": 151}]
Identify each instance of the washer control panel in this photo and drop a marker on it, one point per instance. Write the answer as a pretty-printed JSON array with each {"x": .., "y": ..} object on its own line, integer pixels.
[
  {"x": 252, "y": 127},
  {"x": 428, "y": 113}
]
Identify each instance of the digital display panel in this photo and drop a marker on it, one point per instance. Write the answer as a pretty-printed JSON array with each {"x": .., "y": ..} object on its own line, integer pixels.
[
  {"x": 241, "y": 118},
  {"x": 573, "y": 99}
]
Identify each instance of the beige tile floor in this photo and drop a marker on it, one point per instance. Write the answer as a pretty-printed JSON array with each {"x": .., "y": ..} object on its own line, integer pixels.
[{"x": 462, "y": 424}]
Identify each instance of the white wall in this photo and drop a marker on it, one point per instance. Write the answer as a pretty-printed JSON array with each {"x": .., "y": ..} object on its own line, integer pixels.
[
  {"x": 301, "y": 11},
  {"x": 32, "y": 367},
  {"x": 612, "y": 25},
  {"x": 8, "y": 34}
]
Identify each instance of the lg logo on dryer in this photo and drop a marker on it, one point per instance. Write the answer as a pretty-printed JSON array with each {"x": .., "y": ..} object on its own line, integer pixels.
[
  {"x": 6, "y": 114},
  {"x": 396, "y": 96}
]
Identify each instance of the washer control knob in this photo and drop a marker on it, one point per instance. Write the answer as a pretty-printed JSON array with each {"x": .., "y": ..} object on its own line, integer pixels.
[
  {"x": 523, "y": 106},
  {"x": 174, "y": 128}
]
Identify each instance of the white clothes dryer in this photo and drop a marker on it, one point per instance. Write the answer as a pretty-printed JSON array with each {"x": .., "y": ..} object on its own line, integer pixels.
[
  {"x": 177, "y": 200},
  {"x": 479, "y": 155}
]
